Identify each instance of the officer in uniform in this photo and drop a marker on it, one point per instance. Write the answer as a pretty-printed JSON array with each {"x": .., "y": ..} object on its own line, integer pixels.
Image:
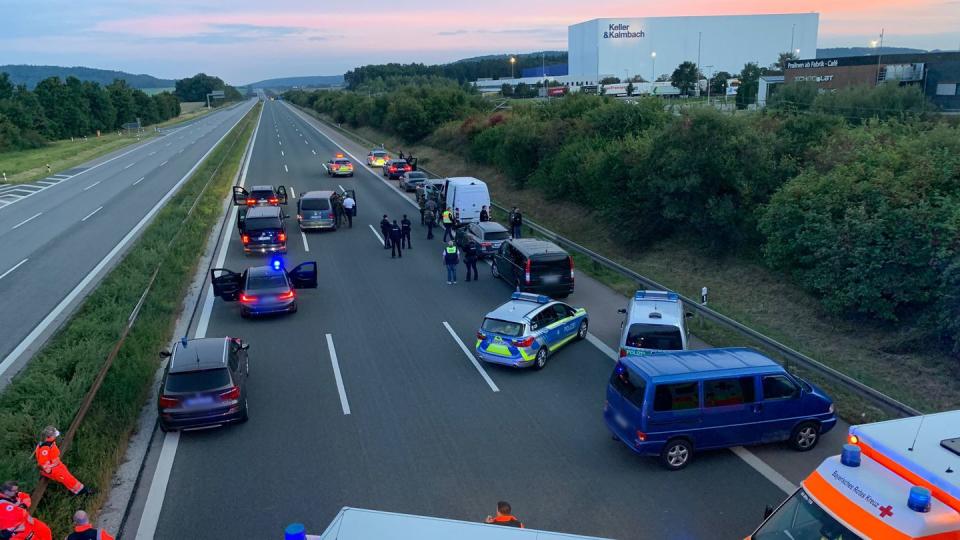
[
  {"x": 471, "y": 253},
  {"x": 385, "y": 231},
  {"x": 405, "y": 232},
  {"x": 430, "y": 217},
  {"x": 396, "y": 240},
  {"x": 348, "y": 207},
  {"x": 484, "y": 214},
  {"x": 447, "y": 219},
  {"x": 451, "y": 258}
]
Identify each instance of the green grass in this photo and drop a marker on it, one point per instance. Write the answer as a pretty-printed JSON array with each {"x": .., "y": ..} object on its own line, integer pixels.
[
  {"x": 742, "y": 289},
  {"x": 49, "y": 390}
]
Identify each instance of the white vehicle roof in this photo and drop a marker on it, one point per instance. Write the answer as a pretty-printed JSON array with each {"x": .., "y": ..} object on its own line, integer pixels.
[
  {"x": 466, "y": 180},
  {"x": 664, "y": 303},
  {"x": 361, "y": 524}
]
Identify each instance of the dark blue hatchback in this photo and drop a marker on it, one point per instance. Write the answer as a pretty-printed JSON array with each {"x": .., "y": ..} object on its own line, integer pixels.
[{"x": 670, "y": 404}]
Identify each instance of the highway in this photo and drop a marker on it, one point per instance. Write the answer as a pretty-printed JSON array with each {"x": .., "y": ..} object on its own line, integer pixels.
[
  {"x": 59, "y": 236},
  {"x": 368, "y": 397}
]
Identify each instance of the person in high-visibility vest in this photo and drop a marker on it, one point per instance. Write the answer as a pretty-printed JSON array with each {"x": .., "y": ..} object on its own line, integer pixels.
[
  {"x": 447, "y": 219},
  {"x": 48, "y": 460},
  {"x": 10, "y": 494},
  {"x": 83, "y": 530},
  {"x": 451, "y": 258},
  {"x": 504, "y": 516},
  {"x": 17, "y": 524}
]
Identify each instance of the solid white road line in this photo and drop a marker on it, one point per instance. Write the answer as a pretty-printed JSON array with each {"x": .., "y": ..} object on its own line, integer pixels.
[
  {"x": 336, "y": 373},
  {"x": 375, "y": 233},
  {"x": 92, "y": 185},
  {"x": 129, "y": 165},
  {"x": 28, "y": 219},
  {"x": 140, "y": 180},
  {"x": 604, "y": 348},
  {"x": 341, "y": 188},
  {"x": 18, "y": 265},
  {"x": 152, "y": 153},
  {"x": 306, "y": 246},
  {"x": 471, "y": 357},
  {"x": 90, "y": 215},
  {"x": 293, "y": 194},
  {"x": 288, "y": 170}
]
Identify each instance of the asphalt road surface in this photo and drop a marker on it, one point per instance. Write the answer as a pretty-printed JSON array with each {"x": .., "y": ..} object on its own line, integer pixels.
[
  {"x": 59, "y": 236},
  {"x": 366, "y": 398}
]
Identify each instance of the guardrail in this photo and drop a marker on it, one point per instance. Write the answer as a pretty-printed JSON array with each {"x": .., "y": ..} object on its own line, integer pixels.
[{"x": 871, "y": 394}]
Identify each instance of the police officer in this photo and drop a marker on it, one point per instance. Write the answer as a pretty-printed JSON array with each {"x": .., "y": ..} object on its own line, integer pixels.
[
  {"x": 422, "y": 203},
  {"x": 349, "y": 205},
  {"x": 447, "y": 219},
  {"x": 430, "y": 217},
  {"x": 48, "y": 460},
  {"x": 471, "y": 253},
  {"x": 451, "y": 258},
  {"x": 83, "y": 530},
  {"x": 504, "y": 517},
  {"x": 484, "y": 214},
  {"x": 516, "y": 222},
  {"x": 405, "y": 232},
  {"x": 396, "y": 240},
  {"x": 385, "y": 231},
  {"x": 337, "y": 208}
]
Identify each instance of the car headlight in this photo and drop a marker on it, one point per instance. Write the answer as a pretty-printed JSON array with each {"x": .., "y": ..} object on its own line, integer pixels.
[{"x": 830, "y": 409}]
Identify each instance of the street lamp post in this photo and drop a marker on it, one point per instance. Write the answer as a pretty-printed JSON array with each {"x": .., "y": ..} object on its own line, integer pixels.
[
  {"x": 653, "y": 70},
  {"x": 513, "y": 61}
]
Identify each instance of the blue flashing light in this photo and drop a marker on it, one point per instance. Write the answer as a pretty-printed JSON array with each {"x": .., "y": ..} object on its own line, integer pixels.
[
  {"x": 276, "y": 263},
  {"x": 850, "y": 456},
  {"x": 295, "y": 531},
  {"x": 668, "y": 296},
  {"x": 530, "y": 297},
  {"x": 919, "y": 500}
]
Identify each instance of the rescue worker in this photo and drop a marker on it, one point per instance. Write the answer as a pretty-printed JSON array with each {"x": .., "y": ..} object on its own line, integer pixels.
[
  {"x": 48, "y": 460},
  {"x": 504, "y": 517},
  {"x": 516, "y": 222},
  {"x": 405, "y": 228},
  {"x": 451, "y": 258},
  {"x": 447, "y": 219},
  {"x": 17, "y": 524},
  {"x": 396, "y": 240},
  {"x": 484, "y": 214},
  {"x": 471, "y": 252},
  {"x": 385, "y": 231},
  {"x": 349, "y": 205},
  {"x": 10, "y": 494},
  {"x": 430, "y": 217},
  {"x": 83, "y": 530}
]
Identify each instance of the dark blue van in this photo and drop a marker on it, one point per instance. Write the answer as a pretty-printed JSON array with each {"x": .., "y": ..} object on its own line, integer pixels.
[{"x": 671, "y": 403}]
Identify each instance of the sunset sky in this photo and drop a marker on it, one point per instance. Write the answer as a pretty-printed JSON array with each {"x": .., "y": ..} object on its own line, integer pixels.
[{"x": 253, "y": 40}]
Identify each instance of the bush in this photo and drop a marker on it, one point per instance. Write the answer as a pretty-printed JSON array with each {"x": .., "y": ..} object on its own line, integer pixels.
[{"x": 887, "y": 101}]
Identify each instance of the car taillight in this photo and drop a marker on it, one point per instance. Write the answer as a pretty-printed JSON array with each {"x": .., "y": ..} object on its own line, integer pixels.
[
  {"x": 623, "y": 352},
  {"x": 273, "y": 200},
  {"x": 571, "y": 268},
  {"x": 251, "y": 202},
  {"x": 286, "y": 295},
  {"x": 485, "y": 244},
  {"x": 527, "y": 272},
  {"x": 481, "y": 336},
  {"x": 232, "y": 393},
  {"x": 641, "y": 436},
  {"x": 167, "y": 402},
  {"x": 245, "y": 239},
  {"x": 248, "y": 298},
  {"x": 525, "y": 342},
  {"x": 393, "y": 169},
  {"x": 282, "y": 237}
]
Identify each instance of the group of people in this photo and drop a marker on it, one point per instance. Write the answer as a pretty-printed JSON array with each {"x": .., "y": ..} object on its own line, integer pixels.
[
  {"x": 396, "y": 236},
  {"x": 343, "y": 207},
  {"x": 16, "y": 523}
]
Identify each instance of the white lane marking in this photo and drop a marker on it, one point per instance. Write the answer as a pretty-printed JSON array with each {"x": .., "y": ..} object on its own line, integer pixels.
[
  {"x": 61, "y": 176},
  {"x": 314, "y": 152},
  {"x": 767, "y": 471},
  {"x": 168, "y": 144},
  {"x": 140, "y": 180},
  {"x": 18, "y": 265},
  {"x": 336, "y": 373},
  {"x": 282, "y": 154},
  {"x": 375, "y": 233},
  {"x": 107, "y": 259},
  {"x": 92, "y": 185},
  {"x": 306, "y": 246},
  {"x": 280, "y": 143},
  {"x": 471, "y": 357},
  {"x": 293, "y": 194},
  {"x": 90, "y": 215},
  {"x": 161, "y": 476},
  {"x": 128, "y": 166},
  {"x": 152, "y": 153},
  {"x": 305, "y": 141},
  {"x": 28, "y": 219},
  {"x": 285, "y": 168},
  {"x": 604, "y": 348},
  {"x": 341, "y": 188},
  {"x": 164, "y": 163}
]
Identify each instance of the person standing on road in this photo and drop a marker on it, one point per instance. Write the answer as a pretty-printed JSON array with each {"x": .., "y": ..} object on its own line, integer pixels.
[
  {"x": 471, "y": 252},
  {"x": 451, "y": 258},
  {"x": 431, "y": 219},
  {"x": 484, "y": 214},
  {"x": 447, "y": 219},
  {"x": 396, "y": 240},
  {"x": 48, "y": 460},
  {"x": 405, "y": 227},
  {"x": 423, "y": 207},
  {"x": 516, "y": 222},
  {"x": 337, "y": 208},
  {"x": 504, "y": 516},
  {"x": 349, "y": 205},
  {"x": 385, "y": 231},
  {"x": 83, "y": 530}
]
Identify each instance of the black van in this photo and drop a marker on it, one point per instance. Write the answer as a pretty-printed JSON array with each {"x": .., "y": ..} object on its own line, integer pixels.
[
  {"x": 536, "y": 266},
  {"x": 262, "y": 230}
]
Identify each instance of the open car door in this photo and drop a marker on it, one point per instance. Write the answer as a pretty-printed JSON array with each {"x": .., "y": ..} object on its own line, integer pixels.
[
  {"x": 226, "y": 283},
  {"x": 412, "y": 162},
  {"x": 282, "y": 194},
  {"x": 240, "y": 196},
  {"x": 241, "y": 216},
  {"x": 304, "y": 276}
]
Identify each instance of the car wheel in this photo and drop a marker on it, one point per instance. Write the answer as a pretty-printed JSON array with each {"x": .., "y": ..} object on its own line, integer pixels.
[
  {"x": 676, "y": 454},
  {"x": 805, "y": 436},
  {"x": 164, "y": 428},
  {"x": 244, "y": 314},
  {"x": 582, "y": 332},
  {"x": 494, "y": 270},
  {"x": 293, "y": 308},
  {"x": 244, "y": 416},
  {"x": 541, "y": 359}
]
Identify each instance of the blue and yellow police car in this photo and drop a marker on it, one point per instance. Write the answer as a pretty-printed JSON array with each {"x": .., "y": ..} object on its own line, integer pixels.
[{"x": 528, "y": 328}]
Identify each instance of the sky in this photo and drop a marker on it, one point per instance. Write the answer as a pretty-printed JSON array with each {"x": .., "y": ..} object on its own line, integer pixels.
[{"x": 244, "y": 41}]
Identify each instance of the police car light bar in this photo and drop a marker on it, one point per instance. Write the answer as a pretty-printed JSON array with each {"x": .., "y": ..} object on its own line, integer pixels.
[
  {"x": 530, "y": 297},
  {"x": 668, "y": 296}
]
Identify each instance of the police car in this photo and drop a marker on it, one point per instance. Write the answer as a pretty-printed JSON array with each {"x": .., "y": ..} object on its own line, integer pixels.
[
  {"x": 339, "y": 166},
  {"x": 263, "y": 290},
  {"x": 525, "y": 330}
]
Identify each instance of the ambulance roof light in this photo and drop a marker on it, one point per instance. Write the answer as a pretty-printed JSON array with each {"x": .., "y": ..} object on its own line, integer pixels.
[
  {"x": 850, "y": 455},
  {"x": 919, "y": 500}
]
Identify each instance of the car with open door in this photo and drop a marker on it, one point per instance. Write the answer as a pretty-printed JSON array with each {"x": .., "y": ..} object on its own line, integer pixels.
[
  {"x": 263, "y": 290},
  {"x": 259, "y": 196},
  {"x": 262, "y": 230}
]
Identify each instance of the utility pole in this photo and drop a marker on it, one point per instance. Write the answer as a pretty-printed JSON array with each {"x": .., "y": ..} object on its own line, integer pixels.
[
  {"x": 879, "y": 55},
  {"x": 793, "y": 30},
  {"x": 699, "y": 40}
]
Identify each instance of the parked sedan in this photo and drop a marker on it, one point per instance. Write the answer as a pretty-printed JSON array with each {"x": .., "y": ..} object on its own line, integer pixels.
[
  {"x": 395, "y": 168},
  {"x": 411, "y": 179},
  {"x": 487, "y": 234},
  {"x": 264, "y": 290}
]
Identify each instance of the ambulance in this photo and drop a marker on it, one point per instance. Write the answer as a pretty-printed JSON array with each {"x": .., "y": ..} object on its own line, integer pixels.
[{"x": 894, "y": 480}]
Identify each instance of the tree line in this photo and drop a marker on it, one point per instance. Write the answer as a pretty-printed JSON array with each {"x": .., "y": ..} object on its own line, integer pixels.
[
  {"x": 854, "y": 195},
  {"x": 60, "y": 109}
]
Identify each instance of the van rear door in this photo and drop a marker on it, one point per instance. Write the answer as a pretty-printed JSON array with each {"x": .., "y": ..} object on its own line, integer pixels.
[
  {"x": 625, "y": 398},
  {"x": 551, "y": 270}
]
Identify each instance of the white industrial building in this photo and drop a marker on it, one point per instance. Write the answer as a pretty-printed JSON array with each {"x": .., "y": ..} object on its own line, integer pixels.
[{"x": 653, "y": 46}]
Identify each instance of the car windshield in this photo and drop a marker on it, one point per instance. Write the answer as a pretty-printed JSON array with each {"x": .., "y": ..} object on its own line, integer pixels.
[
  {"x": 506, "y": 328},
  {"x": 261, "y": 224},
  {"x": 197, "y": 381},
  {"x": 801, "y": 519},
  {"x": 498, "y": 235},
  {"x": 314, "y": 204},
  {"x": 261, "y": 194},
  {"x": 342, "y": 162},
  {"x": 660, "y": 337},
  {"x": 379, "y": 154},
  {"x": 268, "y": 281}
]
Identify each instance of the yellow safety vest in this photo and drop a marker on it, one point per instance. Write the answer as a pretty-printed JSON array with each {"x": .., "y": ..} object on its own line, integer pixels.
[{"x": 446, "y": 217}]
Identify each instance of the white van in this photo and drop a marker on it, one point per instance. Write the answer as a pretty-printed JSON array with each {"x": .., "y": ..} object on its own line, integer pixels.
[
  {"x": 468, "y": 195},
  {"x": 655, "y": 322}
]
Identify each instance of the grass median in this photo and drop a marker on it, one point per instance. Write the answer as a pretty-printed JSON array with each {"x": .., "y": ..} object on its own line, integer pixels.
[{"x": 50, "y": 389}]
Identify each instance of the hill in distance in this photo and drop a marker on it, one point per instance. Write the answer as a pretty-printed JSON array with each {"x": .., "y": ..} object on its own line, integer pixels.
[
  {"x": 839, "y": 52},
  {"x": 312, "y": 81},
  {"x": 549, "y": 54},
  {"x": 31, "y": 75}
]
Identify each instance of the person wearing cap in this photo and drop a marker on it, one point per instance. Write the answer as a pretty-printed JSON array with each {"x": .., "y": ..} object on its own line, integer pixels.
[
  {"x": 10, "y": 494},
  {"x": 504, "y": 516},
  {"x": 451, "y": 258},
  {"x": 83, "y": 530},
  {"x": 48, "y": 460}
]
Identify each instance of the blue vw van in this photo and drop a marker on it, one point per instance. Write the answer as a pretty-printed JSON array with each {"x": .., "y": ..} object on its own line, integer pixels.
[{"x": 673, "y": 403}]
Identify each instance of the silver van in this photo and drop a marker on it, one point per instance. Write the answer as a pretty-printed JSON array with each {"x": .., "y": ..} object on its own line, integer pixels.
[{"x": 655, "y": 321}]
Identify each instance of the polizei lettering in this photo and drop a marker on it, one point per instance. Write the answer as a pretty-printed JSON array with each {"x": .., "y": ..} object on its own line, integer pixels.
[{"x": 621, "y": 31}]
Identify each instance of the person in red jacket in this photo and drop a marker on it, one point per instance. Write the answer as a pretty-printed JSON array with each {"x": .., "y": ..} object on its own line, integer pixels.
[
  {"x": 83, "y": 530},
  {"x": 10, "y": 494},
  {"x": 504, "y": 517},
  {"x": 17, "y": 524},
  {"x": 48, "y": 460}
]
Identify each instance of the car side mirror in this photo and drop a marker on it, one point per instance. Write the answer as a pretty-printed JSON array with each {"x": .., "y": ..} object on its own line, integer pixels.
[
  {"x": 622, "y": 310},
  {"x": 165, "y": 354},
  {"x": 689, "y": 314},
  {"x": 767, "y": 512}
]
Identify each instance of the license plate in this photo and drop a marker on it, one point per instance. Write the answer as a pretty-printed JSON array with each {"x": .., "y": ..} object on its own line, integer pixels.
[
  {"x": 199, "y": 401},
  {"x": 264, "y": 237},
  {"x": 551, "y": 279},
  {"x": 621, "y": 421}
]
